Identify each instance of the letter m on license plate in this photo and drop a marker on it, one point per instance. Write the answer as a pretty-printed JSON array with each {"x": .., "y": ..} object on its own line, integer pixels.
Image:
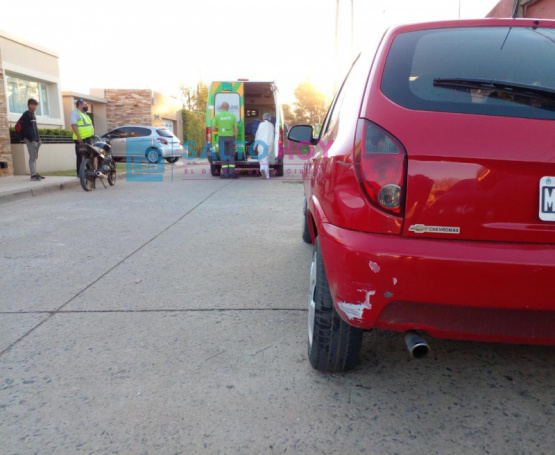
[{"x": 547, "y": 199}]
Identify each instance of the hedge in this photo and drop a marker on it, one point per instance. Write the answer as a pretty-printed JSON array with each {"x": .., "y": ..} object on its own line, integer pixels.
[
  {"x": 50, "y": 135},
  {"x": 194, "y": 130}
]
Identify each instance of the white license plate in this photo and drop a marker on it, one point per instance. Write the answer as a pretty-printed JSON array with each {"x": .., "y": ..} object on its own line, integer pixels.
[{"x": 547, "y": 199}]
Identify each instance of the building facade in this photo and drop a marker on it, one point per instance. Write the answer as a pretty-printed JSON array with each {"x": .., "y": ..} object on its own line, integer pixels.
[
  {"x": 141, "y": 107},
  {"x": 31, "y": 71},
  {"x": 27, "y": 71},
  {"x": 6, "y": 159},
  {"x": 541, "y": 9}
]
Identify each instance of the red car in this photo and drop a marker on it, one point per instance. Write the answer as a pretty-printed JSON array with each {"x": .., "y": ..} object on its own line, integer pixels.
[{"x": 430, "y": 193}]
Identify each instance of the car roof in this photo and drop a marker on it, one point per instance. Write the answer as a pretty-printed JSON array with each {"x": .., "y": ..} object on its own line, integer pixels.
[
  {"x": 485, "y": 22},
  {"x": 141, "y": 126},
  {"x": 153, "y": 128},
  {"x": 368, "y": 55},
  {"x": 248, "y": 81}
]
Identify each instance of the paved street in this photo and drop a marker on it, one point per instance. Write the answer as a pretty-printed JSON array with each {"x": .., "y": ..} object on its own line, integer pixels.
[{"x": 170, "y": 318}]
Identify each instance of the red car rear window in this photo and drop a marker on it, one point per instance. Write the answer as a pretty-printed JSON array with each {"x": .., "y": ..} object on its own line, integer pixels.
[{"x": 504, "y": 71}]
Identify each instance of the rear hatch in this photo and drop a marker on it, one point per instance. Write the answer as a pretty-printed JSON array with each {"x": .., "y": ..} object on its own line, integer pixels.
[
  {"x": 478, "y": 127},
  {"x": 478, "y": 178},
  {"x": 171, "y": 140},
  {"x": 260, "y": 98},
  {"x": 248, "y": 100},
  {"x": 232, "y": 93}
]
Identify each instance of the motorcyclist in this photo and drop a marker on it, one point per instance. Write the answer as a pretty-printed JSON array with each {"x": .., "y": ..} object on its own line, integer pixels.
[{"x": 83, "y": 131}]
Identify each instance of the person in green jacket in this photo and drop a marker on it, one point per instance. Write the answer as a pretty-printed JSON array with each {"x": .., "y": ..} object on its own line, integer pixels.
[{"x": 225, "y": 124}]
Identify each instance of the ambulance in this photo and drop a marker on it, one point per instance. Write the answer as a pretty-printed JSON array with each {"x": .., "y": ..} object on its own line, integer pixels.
[{"x": 249, "y": 101}]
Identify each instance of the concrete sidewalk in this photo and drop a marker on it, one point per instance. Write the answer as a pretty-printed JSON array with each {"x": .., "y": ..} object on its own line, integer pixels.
[{"x": 21, "y": 187}]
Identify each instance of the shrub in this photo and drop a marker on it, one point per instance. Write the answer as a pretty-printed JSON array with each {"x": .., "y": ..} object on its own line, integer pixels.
[
  {"x": 48, "y": 135},
  {"x": 194, "y": 129}
]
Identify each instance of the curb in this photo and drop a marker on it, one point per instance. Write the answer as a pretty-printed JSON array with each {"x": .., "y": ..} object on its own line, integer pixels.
[
  {"x": 46, "y": 189},
  {"x": 15, "y": 195},
  {"x": 25, "y": 193}
]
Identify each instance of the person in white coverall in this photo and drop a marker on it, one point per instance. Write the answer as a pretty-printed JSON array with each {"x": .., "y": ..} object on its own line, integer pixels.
[{"x": 264, "y": 142}]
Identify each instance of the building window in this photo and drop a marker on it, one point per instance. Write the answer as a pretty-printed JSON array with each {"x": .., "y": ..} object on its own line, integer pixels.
[
  {"x": 20, "y": 90},
  {"x": 43, "y": 100}
]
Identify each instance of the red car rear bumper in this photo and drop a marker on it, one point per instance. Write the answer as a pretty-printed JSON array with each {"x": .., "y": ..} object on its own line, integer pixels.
[{"x": 450, "y": 289}]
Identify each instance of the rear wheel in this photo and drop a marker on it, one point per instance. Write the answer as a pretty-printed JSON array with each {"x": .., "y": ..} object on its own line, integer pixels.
[
  {"x": 153, "y": 155},
  {"x": 215, "y": 170},
  {"x": 333, "y": 345},
  {"x": 112, "y": 175},
  {"x": 279, "y": 170},
  {"x": 87, "y": 174},
  {"x": 172, "y": 160}
]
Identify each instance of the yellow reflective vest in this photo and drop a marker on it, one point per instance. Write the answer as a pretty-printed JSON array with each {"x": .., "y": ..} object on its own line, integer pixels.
[
  {"x": 316, "y": 129},
  {"x": 84, "y": 125}
]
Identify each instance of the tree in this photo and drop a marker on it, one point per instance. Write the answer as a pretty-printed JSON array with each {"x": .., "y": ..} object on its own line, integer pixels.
[
  {"x": 188, "y": 98},
  {"x": 310, "y": 102},
  {"x": 194, "y": 99},
  {"x": 202, "y": 96},
  {"x": 194, "y": 115},
  {"x": 288, "y": 115}
]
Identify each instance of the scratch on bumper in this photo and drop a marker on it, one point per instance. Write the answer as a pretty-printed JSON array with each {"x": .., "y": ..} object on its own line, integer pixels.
[{"x": 356, "y": 310}]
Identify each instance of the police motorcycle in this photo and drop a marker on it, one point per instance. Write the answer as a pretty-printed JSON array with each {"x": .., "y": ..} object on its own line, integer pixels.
[{"x": 100, "y": 152}]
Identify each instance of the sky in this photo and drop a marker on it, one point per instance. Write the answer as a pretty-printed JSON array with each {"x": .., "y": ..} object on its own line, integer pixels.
[{"x": 159, "y": 46}]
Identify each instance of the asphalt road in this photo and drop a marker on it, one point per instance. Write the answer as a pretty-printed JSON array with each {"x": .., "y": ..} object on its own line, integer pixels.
[{"x": 171, "y": 318}]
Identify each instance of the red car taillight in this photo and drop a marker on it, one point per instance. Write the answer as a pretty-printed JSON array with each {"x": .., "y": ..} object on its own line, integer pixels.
[
  {"x": 381, "y": 162},
  {"x": 161, "y": 141},
  {"x": 209, "y": 135}
]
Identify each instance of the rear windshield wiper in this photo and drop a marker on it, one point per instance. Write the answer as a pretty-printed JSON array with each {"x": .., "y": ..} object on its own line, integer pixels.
[{"x": 534, "y": 91}]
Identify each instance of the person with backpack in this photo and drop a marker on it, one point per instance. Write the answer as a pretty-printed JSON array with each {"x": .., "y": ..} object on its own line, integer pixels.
[{"x": 30, "y": 134}]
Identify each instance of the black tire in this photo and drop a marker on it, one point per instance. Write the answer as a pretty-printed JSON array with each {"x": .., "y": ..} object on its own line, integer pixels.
[
  {"x": 333, "y": 345},
  {"x": 172, "y": 160},
  {"x": 306, "y": 230},
  {"x": 87, "y": 175},
  {"x": 215, "y": 170},
  {"x": 112, "y": 175},
  {"x": 278, "y": 168},
  {"x": 153, "y": 155}
]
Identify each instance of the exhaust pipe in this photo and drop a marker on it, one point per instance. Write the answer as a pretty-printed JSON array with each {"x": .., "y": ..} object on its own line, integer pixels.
[{"x": 416, "y": 345}]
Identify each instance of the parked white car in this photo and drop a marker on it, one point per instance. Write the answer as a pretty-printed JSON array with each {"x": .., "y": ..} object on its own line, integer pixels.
[{"x": 152, "y": 142}]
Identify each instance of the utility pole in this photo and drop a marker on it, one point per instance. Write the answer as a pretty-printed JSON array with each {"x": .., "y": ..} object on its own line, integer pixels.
[
  {"x": 353, "y": 31},
  {"x": 336, "y": 54},
  {"x": 516, "y": 9},
  {"x": 351, "y": 43}
]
